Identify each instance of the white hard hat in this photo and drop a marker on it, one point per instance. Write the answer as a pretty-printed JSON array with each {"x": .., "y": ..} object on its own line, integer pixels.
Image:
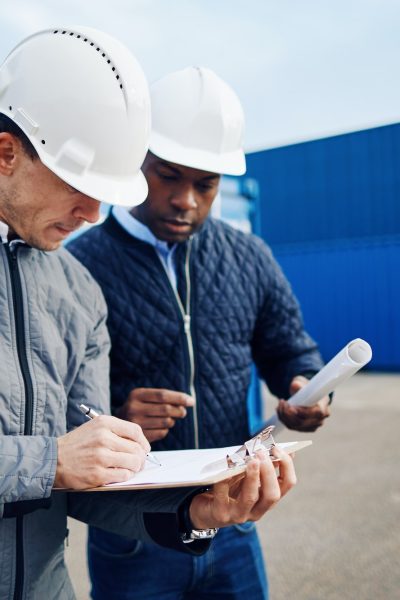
[
  {"x": 82, "y": 100},
  {"x": 197, "y": 121}
]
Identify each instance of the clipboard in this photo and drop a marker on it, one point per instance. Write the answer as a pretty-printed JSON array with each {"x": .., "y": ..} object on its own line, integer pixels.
[{"x": 193, "y": 468}]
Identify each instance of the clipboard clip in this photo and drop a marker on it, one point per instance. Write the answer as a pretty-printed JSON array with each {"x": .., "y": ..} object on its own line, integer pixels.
[{"x": 261, "y": 441}]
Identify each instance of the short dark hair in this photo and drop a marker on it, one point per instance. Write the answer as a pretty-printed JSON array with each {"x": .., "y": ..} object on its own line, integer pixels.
[{"x": 8, "y": 126}]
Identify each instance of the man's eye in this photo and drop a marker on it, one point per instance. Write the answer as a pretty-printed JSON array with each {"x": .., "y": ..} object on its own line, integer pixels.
[
  {"x": 205, "y": 187},
  {"x": 167, "y": 177}
]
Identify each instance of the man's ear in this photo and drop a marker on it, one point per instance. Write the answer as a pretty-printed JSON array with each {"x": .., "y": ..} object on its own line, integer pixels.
[{"x": 10, "y": 151}]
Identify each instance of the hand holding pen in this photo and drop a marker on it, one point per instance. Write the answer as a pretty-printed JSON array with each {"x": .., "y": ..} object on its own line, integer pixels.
[
  {"x": 103, "y": 450},
  {"x": 91, "y": 414}
]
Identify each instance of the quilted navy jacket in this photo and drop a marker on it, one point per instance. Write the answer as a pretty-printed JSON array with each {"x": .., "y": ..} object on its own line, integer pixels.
[{"x": 234, "y": 307}]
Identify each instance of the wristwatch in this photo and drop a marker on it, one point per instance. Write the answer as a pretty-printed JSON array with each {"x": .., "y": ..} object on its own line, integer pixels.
[
  {"x": 199, "y": 534},
  {"x": 188, "y": 533}
]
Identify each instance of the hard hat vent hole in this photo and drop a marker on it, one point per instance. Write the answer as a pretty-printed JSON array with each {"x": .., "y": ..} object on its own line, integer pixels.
[
  {"x": 98, "y": 49},
  {"x": 43, "y": 142},
  {"x": 10, "y": 108}
]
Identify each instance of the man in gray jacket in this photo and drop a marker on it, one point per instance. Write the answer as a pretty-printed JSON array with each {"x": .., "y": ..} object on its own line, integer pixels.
[{"x": 68, "y": 141}]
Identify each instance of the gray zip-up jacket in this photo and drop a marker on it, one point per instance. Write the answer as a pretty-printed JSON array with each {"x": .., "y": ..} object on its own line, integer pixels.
[{"x": 54, "y": 350}]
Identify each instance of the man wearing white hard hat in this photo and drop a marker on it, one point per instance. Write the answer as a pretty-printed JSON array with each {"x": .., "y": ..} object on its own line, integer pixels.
[
  {"x": 191, "y": 303},
  {"x": 74, "y": 126}
]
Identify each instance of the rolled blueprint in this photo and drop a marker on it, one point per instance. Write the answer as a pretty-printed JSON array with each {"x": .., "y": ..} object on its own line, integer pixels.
[{"x": 349, "y": 360}]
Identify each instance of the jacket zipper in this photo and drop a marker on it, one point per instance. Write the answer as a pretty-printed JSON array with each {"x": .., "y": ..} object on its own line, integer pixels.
[
  {"x": 18, "y": 307},
  {"x": 185, "y": 312}
]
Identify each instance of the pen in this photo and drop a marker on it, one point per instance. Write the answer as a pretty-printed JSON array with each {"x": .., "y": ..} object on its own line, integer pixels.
[{"x": 91, "y": 414}]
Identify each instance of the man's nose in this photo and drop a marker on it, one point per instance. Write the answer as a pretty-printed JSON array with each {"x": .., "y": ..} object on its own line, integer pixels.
[
  {"x": 184, "y": 198},
  {"x": 88, "y": 209}
]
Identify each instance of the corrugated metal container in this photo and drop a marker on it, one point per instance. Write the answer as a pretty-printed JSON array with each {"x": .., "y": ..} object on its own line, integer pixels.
[
  {"x": 349, "y": 291},
  {"x": 339, "y": 187},
  {"x": 330, "y": 209}
]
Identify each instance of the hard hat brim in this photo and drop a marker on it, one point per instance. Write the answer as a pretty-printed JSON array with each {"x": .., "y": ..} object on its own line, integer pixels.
[
  {"x": 127, "y": 191},
  {"x": 228, "y": 163}
]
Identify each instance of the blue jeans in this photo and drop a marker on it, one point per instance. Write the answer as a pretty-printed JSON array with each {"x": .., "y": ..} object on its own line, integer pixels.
[{"x": 124, "y": 569}]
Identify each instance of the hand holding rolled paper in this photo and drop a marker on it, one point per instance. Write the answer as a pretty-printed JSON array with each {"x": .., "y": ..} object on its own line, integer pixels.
[
  {"x": 303, "y": 418},
  {"x": 355, "y": 355}
]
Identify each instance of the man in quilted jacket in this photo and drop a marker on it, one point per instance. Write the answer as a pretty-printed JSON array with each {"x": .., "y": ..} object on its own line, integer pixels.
[{"x": 192, "y": 303}]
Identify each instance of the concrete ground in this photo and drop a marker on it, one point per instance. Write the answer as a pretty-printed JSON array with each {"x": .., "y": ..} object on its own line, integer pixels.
[{"x": 336, "y": 536}]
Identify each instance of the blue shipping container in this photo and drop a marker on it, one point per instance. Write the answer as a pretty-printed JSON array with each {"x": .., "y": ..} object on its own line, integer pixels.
[
  {"x": 335, "y": 188},
  {"x": 347, "y": 291},
  {"x": 330, "y": 209}
]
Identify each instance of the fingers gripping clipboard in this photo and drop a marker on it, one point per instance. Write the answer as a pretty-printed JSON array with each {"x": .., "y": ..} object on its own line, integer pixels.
[{"x": 186, "y": 468}]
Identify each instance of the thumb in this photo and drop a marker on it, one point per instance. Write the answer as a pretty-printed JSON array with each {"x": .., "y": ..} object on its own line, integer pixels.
[{"x": 297, "y": 384}]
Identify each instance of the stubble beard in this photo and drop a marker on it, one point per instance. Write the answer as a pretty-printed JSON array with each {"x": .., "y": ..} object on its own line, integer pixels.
[{"x": 18, "y": 225}]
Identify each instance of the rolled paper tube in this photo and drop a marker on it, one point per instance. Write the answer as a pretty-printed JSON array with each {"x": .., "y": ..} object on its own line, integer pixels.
[{"x": 355, "y": 355}]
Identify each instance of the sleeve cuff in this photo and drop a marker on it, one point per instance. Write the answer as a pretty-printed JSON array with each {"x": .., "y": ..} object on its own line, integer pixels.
[{"x": 164, "y": 529}]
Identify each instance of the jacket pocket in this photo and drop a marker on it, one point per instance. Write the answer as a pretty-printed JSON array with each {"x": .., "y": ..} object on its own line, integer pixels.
[{"x": 113, "y": 546}]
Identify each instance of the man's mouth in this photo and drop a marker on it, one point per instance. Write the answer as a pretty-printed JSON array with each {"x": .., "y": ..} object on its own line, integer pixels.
[
  {"x": 177, "y": 224},
  {"x": 67, "y": 229}
]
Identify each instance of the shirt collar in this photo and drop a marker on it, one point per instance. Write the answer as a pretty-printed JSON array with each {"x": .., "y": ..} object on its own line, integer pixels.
[
  {"x": 3, "y": 232},
  {"x": 5, "y": 235},
  {"x": 137, "y": 228}
]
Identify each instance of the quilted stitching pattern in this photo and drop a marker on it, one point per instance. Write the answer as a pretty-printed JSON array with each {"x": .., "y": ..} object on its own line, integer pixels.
[{"x": 242, "y": 310}]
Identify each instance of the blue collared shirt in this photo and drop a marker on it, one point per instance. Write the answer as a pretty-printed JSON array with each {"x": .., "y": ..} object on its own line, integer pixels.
[{"x": 143, "y": 233}]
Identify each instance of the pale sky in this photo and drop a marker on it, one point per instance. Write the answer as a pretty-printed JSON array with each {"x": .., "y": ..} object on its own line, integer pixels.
[{"x": 303, "y": 69}]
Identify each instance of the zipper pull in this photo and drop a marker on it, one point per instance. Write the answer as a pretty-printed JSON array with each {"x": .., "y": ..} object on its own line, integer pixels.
[
  {"x": 186, "y": 323},
  {"x": 12, "y": 252}
]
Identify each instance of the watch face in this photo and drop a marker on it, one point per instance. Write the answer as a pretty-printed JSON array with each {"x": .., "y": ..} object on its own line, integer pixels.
[{"x": 199, "y": 534}]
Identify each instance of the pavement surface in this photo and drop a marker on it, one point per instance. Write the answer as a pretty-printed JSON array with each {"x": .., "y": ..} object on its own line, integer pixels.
[{"x": 337, "y": 534}]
